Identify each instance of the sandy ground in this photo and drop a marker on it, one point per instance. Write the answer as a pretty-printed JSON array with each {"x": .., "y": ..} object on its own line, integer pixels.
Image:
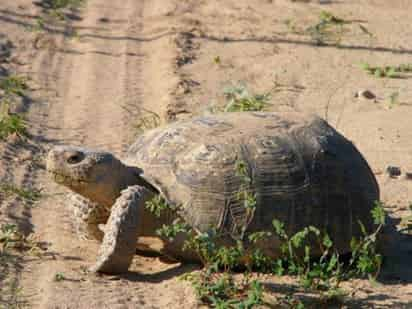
[{"x": 126, "y": 57}]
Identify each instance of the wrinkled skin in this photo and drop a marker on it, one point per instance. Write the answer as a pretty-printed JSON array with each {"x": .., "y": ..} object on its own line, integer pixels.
[{"x": 98, "y": 176}]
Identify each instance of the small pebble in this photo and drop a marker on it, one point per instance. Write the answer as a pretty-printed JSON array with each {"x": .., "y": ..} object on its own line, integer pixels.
[
  {"x": 408, "y": 175},
  {"x": 365, "y": 94},
  {"x": 104, "y": 20},
  {"x": 394, "y": 171},
  {"x": 5, "y": 47}
]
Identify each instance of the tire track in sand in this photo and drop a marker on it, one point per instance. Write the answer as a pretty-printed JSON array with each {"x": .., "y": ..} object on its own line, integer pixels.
[{"x": 99, "y": 81}]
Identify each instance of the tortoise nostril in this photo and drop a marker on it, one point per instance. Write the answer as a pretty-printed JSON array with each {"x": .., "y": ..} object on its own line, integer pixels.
[{"x": 74, "y": 158}]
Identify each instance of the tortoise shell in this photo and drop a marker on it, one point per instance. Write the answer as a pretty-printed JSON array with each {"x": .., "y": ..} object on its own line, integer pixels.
[{"x": 296, "y": 167}]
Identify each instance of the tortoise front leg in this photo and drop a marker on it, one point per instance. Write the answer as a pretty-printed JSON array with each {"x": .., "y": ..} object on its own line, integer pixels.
[
  {"x": 88, "y": 216},
  {"x": 121, "y": 231}
]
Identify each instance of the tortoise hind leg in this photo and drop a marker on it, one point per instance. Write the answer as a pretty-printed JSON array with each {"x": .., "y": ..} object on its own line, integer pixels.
[
  {"x": 171, "y": 250},
  {"x": 121, "y": 231}
]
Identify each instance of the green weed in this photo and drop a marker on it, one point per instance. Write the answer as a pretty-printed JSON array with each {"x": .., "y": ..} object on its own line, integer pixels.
[
  {"x": 55, "y": 12},
  {"x": 11, "y": 238},
  {"x": 329, "y": 29},
  {"x": 323, "y": 275},
  {"x": 328, "y": 17},
  {"x": 245, "y": 193},
  {"x": 40, "y": 25},
  {"x": 59, "y": 277},
  {"x": 12, "y": 124},
  {"x": 220, "y": 290},
  {"x": 12, "y": 243},
  {"x": 10, "y": 292},
  {"x": 240, "y": 99},
  {"x": 13, "y": 85},
  {"x": 64, "y": 4},
  {"x": 28, "y": 195},
  {"x": 292, "y": 26},
  {"x": 406, "y": 222},
  {"x": 157, "y": 205},
  {"x": 387, "y": 71},
  {"x": 170, "y": 231}
]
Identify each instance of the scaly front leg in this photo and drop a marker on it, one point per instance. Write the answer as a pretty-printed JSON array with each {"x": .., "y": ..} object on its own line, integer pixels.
[
  {"x": 88, "y": 216},
  {"x": 121, "y": 231}
]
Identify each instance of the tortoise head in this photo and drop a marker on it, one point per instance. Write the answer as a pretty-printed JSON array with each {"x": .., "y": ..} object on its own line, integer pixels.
[{"x": 96, "y": 175}]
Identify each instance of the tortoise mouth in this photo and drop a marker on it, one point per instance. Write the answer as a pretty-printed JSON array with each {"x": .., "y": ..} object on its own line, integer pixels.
[{"x": 66, "y": 180}]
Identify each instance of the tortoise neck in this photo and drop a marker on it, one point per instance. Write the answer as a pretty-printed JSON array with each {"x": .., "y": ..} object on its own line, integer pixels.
[
  {"x": 112, "y": 182},
  {"x": 130, "y": 176},
  {"x": 119, "y": 177}
]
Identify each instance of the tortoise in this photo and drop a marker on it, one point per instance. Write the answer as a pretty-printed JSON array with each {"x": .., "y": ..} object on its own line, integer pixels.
[{"x": 298, "y": 169}]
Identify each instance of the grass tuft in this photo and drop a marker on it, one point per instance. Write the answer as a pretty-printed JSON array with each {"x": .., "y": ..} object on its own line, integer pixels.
[
  {"x": 13, "y": 245},
  {"x": 13, "y": 85},
  {"x": 12, "y": 239},
  {"x": 59, "y": 277},
  {"x": 329, "y": 29},
  {"x": 64, "y": 4},
  {"x": 406, "y": 222},
  {"x": 12, "y": 124},
  {"x": 28, "y": 195},
  {"x": 387, "y": 71},
  {"x": 240, "y": 99}
]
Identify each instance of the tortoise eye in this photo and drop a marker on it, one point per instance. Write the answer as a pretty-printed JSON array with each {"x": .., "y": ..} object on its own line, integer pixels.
[{"x": 75, "y": 157}]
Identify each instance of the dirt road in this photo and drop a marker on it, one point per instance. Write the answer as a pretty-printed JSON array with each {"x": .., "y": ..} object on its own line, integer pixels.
[{"x": 91, "y": 90}]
